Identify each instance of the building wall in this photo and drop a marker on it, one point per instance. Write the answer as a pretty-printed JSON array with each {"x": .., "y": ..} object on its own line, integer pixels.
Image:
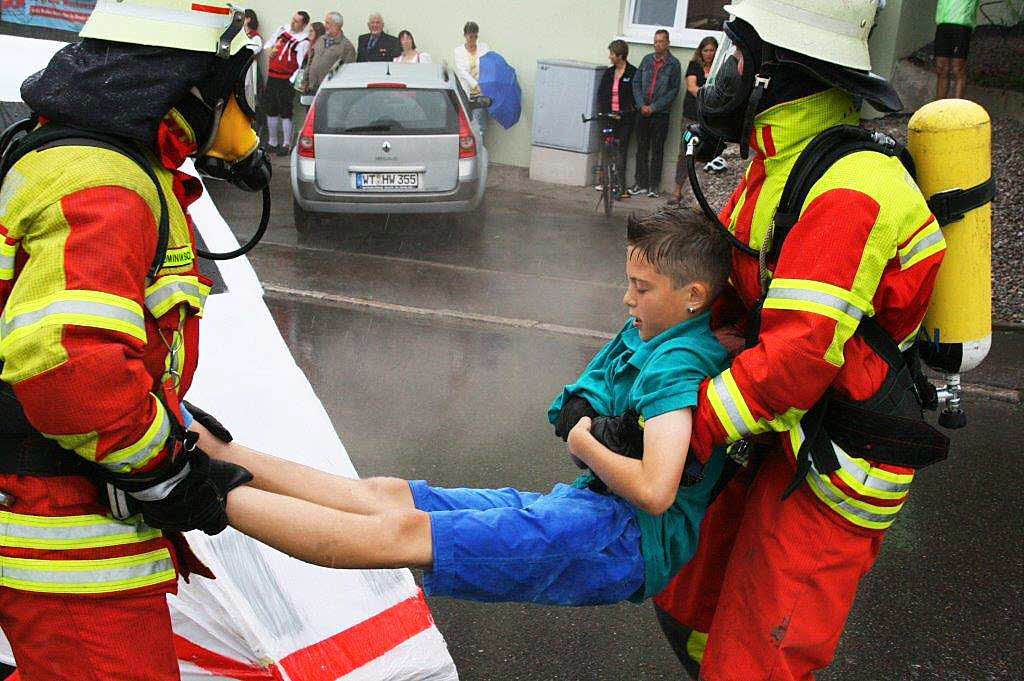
[{"x": 522, "y": 32}]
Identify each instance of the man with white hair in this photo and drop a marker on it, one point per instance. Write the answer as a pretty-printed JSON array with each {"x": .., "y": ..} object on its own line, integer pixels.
[
  {"x": 329, "y": 49},
  {"x": 377, "y": 45}
]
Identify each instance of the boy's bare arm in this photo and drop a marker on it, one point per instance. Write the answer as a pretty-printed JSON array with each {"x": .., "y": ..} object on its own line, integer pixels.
[
  {"x": 281, "y": 476},
  {"x": 650, "y": 483}
]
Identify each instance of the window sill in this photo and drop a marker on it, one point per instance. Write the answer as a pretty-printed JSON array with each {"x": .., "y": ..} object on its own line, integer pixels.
[{"x": 687, "y": 38}]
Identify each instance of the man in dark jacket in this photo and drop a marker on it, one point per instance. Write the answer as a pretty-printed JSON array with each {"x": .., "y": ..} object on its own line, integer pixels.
[
  {"x": 377, "y": 45},
  {"x": 615, "y": 96},
  {"x": 656, "y": 85}
]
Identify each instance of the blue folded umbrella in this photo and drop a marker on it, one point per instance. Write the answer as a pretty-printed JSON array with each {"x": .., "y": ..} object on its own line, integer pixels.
[{"x": 498, "y": 81}]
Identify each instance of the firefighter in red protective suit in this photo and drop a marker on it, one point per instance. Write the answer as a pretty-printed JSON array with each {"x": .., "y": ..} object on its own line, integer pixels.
[
  {"x": 101, "y": 297},
  {"x": 787, "y": 541}
]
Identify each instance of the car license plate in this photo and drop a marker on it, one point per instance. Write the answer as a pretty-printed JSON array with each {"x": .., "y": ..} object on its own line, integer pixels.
[{"x": 387, "y": 180}]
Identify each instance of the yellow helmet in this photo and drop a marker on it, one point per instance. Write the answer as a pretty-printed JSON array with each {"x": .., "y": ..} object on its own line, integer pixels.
[{"x": 206, "y": 26}]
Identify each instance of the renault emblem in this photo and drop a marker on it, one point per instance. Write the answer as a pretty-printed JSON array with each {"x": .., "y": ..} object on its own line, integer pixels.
[{"x": 386, "y": 147}]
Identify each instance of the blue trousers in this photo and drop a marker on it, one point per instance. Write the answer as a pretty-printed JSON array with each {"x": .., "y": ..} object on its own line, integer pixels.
[{"x": 568, "y": 547}]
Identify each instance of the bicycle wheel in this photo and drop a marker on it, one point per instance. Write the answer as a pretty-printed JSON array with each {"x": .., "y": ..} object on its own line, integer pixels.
[{"x": 607, "y": 194}]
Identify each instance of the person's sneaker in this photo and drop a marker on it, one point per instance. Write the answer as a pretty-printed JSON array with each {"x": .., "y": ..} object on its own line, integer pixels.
[
  {"x": 599, "y": 187},
  {"x": 637, "y": 189},
  {"x": 284, "y": 150},
  {"x": 652, "y": 194}
]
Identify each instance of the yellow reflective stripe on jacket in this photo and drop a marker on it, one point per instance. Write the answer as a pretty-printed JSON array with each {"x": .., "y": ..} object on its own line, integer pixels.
[
  {"x": 924, "y": 244},
  {"x": 69, "y": 532},
  {"x": 166, "y": 292},
  {"x": 727, "y": 402},
  {"x": 805, "y": 295},
  {"x": 7, "y": 253},
  {"x": 87, "y": 576},
  {"x": 141, "y": 452},
  {"x": 81, "y": 308}
]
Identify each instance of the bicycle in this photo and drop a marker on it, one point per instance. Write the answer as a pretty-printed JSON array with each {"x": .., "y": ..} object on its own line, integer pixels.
[{"x": 607, "y": 169}]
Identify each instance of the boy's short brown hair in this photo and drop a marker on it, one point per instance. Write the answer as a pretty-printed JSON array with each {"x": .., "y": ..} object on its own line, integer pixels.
[{"x": 683, "y": 245}]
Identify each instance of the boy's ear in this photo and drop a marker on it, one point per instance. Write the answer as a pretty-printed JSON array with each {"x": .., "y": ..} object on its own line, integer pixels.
[{"x": 698, "y": 294}]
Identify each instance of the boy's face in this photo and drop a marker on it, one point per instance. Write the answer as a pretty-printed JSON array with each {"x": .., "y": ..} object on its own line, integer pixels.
[{"x": 651, "y": 299}]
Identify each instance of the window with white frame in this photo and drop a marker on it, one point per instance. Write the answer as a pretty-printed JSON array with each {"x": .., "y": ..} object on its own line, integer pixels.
[{"x": 687, "y": 21}]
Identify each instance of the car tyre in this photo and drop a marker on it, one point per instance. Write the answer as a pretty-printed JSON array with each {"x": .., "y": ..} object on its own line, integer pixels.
[{"x": 304, "y": 220}]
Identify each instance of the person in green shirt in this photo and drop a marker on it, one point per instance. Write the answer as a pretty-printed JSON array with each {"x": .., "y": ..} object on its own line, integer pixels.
[
  {"x": 954, "y": 21},
  {"x": 585, "y": 543}
]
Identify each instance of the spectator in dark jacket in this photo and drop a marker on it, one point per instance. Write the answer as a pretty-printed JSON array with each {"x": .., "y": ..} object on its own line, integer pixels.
[
  {"x": 377, "y": 45},
  {"x": 615, "y": 96},
  {"x": 655, "y": 87}
]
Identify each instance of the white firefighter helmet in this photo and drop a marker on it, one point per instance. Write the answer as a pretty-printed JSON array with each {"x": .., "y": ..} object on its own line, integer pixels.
[
  {"x": 834, "y": 31},
  {"x": 206, "y": 26}
]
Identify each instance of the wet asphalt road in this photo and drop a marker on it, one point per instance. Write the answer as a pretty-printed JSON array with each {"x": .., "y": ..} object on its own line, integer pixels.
[{"x": 436, "y": 346}]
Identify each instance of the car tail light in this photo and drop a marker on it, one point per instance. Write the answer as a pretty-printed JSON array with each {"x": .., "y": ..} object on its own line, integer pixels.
[
  {"x": 306, "y": 147},
  {"x": 386, "y": 84},
  {"x": 467, "y": 145}
]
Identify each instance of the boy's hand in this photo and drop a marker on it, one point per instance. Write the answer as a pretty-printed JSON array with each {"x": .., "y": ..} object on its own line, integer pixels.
[{"x": 576, "y": 438}]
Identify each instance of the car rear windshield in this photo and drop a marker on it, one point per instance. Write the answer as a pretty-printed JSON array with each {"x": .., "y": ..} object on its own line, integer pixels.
[{"x": 396, "y": 111}]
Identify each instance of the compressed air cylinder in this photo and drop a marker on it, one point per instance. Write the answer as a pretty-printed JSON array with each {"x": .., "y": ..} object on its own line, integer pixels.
[{"x": 951, "y": 140}]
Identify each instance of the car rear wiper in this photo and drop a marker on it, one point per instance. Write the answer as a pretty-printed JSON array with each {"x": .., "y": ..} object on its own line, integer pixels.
[{"x": 368, "y": 128}]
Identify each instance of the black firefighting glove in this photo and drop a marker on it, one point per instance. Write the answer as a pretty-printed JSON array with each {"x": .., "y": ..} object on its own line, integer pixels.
[
  {"x": 621, "y": 434},
  {"x": 573, "y": 409},
  {"x": 188, "y": 492},
  {"x": 204, "y": 419}
]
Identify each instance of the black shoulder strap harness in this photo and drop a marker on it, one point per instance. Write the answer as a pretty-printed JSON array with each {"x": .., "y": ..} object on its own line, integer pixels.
[
  {"x": 52, "y": 135},
  {"x": 889, "y": 426}
]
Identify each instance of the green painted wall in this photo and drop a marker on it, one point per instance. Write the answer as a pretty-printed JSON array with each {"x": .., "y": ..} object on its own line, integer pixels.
[{"x": 522, "y": 32}]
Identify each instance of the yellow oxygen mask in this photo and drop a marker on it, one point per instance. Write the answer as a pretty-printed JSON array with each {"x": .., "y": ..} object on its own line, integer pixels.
[{"x": 234, "y": 138}]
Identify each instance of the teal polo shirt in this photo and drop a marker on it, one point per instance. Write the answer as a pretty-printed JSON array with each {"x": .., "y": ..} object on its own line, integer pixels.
[{"x": 655, "y": 377}]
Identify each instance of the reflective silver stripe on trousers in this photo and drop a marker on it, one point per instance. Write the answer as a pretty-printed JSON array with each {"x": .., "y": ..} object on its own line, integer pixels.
[
  {"x": 160, "y": 490},
  {"x": 730, "y": 406},
  {"x": 826, "y": 299},
  {"x": 83, "y": 307},
  {"x": 165, "y": 291},
  {"x": 930, "y": 240},
  {"x": 862, "y": 476},
  {"x": 116, "y": 574},
  {"x": 845, "y": 506},
  {"x": 155, "y": 444},
  {"x": 6, "y": 261}
]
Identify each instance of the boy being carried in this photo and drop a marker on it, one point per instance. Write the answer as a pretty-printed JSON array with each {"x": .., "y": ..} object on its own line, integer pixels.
[{"x": 574, "y": 545}]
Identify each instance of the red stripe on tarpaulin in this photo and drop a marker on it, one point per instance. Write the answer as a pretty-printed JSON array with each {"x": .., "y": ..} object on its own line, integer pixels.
[
  {"x": 364, "y": 642},
  {"x": 221, "y": 665},
  {"x": 211, "y": 9}
]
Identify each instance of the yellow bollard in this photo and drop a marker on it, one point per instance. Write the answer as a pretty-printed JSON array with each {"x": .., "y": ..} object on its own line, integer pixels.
[{"x": 951, "y": 141}]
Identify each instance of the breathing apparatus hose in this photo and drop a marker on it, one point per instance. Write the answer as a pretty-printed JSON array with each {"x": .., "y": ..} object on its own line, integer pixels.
[
  {"x": 242, "y": 250},
  {"x": 691, "y": 169}
]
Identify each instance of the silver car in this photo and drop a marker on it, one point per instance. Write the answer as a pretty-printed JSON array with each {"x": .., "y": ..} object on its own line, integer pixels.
[{"x": 384, "y": 137}]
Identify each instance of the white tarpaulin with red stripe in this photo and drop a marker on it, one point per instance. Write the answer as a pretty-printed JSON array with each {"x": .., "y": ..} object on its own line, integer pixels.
[{"x": 268, "y": 616}]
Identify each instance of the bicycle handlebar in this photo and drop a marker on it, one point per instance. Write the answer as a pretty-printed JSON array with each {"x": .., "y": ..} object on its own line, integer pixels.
[{"x": 601, "y": 116}]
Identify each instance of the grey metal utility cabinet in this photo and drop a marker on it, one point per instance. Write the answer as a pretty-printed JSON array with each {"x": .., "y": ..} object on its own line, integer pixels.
[{"x": 563, "y": 90}]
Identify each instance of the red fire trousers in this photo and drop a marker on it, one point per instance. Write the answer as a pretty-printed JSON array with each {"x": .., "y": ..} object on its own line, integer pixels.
[
  {"x": 771, "y": 584},
  {"x": 72, "y": 638}
]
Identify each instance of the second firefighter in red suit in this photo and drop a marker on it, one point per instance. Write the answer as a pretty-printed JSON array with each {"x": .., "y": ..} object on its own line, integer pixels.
[{"x": 768, "y": 592}]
